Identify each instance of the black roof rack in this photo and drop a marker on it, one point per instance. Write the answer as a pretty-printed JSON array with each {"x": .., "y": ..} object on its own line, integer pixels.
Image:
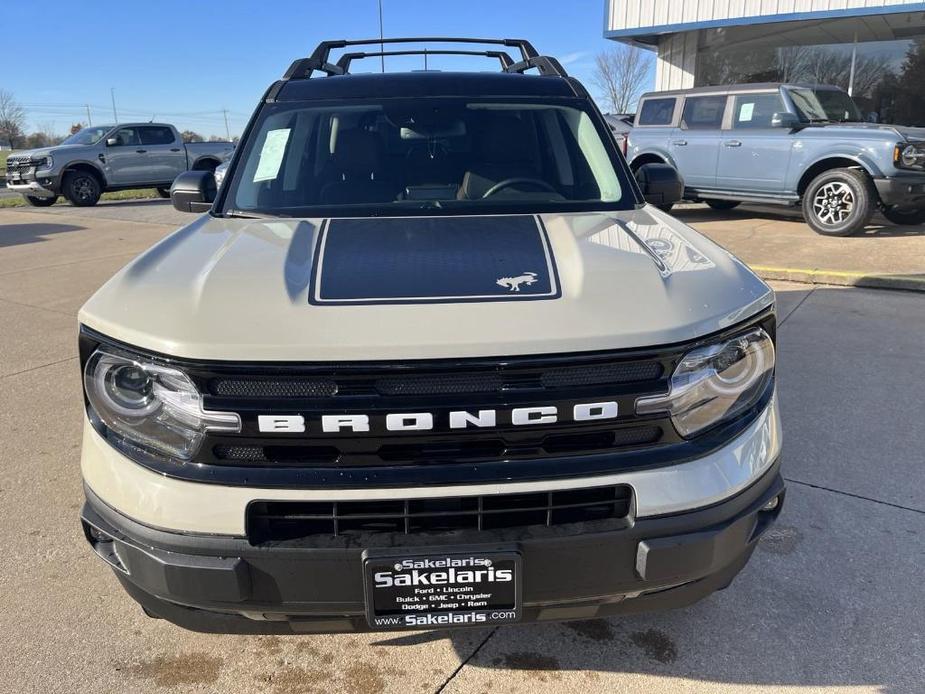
[
  {"x": 344, "y": 62},
  {"x": 319, "y": 60}
]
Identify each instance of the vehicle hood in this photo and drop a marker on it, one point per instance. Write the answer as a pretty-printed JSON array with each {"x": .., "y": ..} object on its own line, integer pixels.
[
  {"x": 66, "y": 150},
  {"x": 34, "y": 153},
  {"x": 906, "y": 132},
  {"x": 293, "y": 290}
]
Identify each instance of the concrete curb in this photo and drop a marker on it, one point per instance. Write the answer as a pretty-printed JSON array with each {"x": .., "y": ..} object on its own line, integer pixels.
[{"x": 915, "y": 283}]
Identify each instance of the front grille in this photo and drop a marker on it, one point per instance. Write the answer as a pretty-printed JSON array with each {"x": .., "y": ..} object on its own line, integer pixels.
[
  {"x": 18, "y": 163},
  {"x": 279, "y": 521},
  {"x": 437, "y": 388}
]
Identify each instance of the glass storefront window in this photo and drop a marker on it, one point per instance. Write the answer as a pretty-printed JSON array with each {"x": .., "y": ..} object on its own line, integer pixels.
[{"x": 888, "y": 81}]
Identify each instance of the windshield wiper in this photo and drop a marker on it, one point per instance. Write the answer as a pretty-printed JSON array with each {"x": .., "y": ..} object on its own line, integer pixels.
[{"x": 237, "y": 214}]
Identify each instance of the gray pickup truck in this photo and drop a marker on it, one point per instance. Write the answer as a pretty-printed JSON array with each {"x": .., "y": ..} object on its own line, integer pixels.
[
  {"x": 109, "y": 157},
  {"x": 788, "y": 144}
]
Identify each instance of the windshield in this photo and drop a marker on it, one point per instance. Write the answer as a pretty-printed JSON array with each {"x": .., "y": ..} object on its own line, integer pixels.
[
  {"x": 824, "y": 105},
  {"x": 87, "y": 136},
  {"x": 427, "y": 156}
]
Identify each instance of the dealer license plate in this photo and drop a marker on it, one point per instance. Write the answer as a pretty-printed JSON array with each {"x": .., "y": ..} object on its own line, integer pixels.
[{"x": 437, "y": 591}]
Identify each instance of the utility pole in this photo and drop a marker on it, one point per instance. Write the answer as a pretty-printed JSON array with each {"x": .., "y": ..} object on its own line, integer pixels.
[
  {"x": 112, "y": 92},
  {"x": 227, "y": 131},
  {"x": 89, "y": 119},
  {"x": 381, "y": 49}
]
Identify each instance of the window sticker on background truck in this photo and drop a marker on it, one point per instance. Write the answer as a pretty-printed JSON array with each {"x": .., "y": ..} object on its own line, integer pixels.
[{"x": 443, "y": 590}]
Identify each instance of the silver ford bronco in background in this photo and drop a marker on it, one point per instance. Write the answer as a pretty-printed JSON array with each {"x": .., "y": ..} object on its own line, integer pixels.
[
  {"x": 429, "y": 359},
  {"x": 102, "y": 158},
  {"x": 786, "y": 144}
]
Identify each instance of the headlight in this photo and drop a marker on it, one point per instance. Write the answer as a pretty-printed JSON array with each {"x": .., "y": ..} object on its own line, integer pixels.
[
  {"x": 716, "y": 383},
  {"x": 45, "y": 162},
  {"x": 909, "y": 156},
  {"x": 149, "y": 405}
]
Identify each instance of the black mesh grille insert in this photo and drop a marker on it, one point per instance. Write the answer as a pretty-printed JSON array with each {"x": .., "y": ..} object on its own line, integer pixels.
[
  {"x": 277, "y": 521},
  {"x": 273, "y": 388},
  {"x": 600, "y": 374},
  {"x": 284, "y": 455},
  {"x": 444, "y": 384}
]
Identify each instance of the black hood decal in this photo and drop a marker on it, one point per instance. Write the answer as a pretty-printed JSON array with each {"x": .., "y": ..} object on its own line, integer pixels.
[{"x": 433, "y": 260}]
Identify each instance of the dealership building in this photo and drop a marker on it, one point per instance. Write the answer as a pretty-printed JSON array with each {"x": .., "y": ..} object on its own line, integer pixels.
[{"x": 875, "y": 49}]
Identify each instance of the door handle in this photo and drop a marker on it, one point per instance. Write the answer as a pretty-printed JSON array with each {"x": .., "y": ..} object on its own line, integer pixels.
[
  {"x": 732, "y": 143},
  {"x": 174, "y": 149},
  {"x": 140, "y": 151},
  {"x": 679, "y": 143}
]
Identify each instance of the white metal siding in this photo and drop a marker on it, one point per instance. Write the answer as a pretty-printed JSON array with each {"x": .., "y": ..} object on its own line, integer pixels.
[
  {"x": 635, "y": 14},
  {"x": 677, "y": 55}
]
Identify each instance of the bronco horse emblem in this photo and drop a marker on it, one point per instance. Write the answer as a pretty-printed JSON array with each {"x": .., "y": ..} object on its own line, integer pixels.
[{"x": 513, "y": 283}]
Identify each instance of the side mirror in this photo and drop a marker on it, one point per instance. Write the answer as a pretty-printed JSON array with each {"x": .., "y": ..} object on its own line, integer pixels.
[
  {"x": 112, "y": 141},
  {"x": 661, "y": 184},
  {"x": 193, "y": 191},
  {"x": 784, "y": 119}
]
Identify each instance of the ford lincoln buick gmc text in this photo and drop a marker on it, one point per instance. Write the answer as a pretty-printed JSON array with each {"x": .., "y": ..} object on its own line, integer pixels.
[{"x": 431, "y": 359}]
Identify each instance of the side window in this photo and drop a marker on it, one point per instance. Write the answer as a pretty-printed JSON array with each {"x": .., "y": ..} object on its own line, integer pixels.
[
  {"x": 656, "y": 112},
  {"x": 127, "y": 137},
  {"x": 156, "y": 135},
  {"x": 703, "y": 112},
  {"x": 755, "y": 110}
]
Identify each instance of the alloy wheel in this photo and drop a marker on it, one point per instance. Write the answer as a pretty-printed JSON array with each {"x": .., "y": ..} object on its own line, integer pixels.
[{"x": 833, "y": 203}]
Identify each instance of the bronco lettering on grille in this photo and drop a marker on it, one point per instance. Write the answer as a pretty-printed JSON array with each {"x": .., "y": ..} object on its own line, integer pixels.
[{"x": 424, "y": 421}]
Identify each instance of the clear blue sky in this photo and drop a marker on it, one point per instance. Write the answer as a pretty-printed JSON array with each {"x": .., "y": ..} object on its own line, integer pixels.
[{"x": 185, "y": 61}]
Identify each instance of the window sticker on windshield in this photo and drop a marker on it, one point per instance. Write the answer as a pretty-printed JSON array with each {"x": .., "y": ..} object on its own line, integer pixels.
[
  {"x": 271, "y": 156},
  {"x": 745, "y": 113}
]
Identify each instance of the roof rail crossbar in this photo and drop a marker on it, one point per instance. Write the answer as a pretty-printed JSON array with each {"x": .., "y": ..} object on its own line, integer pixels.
[
  {"x": 344, "y": 62},
  {"x": 319, "y": 59}
]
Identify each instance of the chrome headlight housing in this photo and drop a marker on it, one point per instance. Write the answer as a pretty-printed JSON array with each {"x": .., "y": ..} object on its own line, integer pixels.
[
  {"x": 149, "y": 405},
  {"x": 716, "y": 383},
  {"x": 909, "y": 156}
]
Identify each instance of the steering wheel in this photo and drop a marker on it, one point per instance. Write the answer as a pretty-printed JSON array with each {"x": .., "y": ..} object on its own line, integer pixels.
[{"x": 508, "y": 182}]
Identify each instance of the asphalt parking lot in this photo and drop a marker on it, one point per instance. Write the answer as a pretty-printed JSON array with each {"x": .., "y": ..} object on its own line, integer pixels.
[{"x": 832, "y": 601}]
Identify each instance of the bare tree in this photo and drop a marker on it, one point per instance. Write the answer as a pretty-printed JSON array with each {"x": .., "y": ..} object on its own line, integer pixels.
[
  {"x": 191, "y": 136},
  {"x": 621, "y": 74},
  {"x": 12, "y": 119},
  {"x": 44, "y": 136}
]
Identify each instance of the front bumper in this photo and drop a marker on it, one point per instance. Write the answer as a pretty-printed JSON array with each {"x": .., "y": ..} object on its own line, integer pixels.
[
  {"x": 42, "y": 187},
  {"x": 905, "y": 190},
  {"x": 224, "y": 585}
]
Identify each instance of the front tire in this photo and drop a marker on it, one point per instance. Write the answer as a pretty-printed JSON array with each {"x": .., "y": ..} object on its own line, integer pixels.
[
  {"x": 839, "y": 202},
  {"x": 904, "y": 216},
  {"x": 82, "y": 189},
  {"x": 721, "y": 205},
  {"x": 40, "y": 202}
]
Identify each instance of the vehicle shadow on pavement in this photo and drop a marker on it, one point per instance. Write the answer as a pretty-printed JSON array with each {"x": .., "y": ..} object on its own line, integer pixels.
[
  {"x": 19, "y": 234},
  {"x": 877, "y": 228}
]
